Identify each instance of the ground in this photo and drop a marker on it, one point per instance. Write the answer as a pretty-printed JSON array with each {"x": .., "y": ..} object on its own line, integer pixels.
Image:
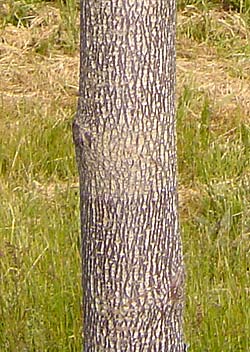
[{"x": 40, "y": 302}]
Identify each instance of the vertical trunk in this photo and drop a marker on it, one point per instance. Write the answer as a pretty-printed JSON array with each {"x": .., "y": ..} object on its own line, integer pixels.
[{"x": 124, "y": 134}]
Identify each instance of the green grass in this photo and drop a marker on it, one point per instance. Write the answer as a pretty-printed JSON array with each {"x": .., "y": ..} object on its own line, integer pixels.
[
  {"x": 215, "y": 165},
  {"x": 40, "y": 278},
  {"x": 40, "y": 300}
]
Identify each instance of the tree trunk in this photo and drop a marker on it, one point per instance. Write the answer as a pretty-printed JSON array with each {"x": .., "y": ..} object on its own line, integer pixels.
[{"x": 124, "y": 134}]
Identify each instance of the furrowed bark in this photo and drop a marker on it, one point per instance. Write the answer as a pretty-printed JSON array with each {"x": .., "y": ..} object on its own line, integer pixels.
[{"x": 125, "y": 139}]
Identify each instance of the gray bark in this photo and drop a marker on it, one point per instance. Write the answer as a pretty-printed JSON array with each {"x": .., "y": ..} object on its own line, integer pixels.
[{"x": 124, "y": 134}]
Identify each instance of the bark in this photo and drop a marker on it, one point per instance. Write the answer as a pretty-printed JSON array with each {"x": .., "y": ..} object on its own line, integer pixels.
[{"x": 125, "y": 139}]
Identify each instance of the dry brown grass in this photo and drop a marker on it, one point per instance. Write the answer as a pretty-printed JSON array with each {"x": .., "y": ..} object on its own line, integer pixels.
[
  {"x": 26, "y": 74},
  {"x": 215, "y": 77},
  {"x": 220, "y": 70}
]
